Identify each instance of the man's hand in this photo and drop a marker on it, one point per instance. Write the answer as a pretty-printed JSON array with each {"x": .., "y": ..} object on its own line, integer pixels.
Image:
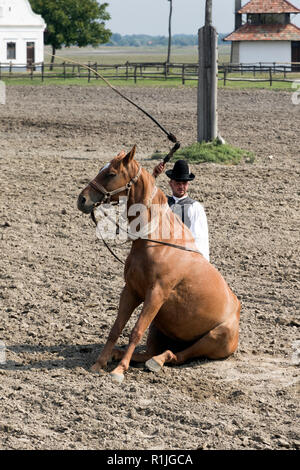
[{"x": 158, "y": 169}]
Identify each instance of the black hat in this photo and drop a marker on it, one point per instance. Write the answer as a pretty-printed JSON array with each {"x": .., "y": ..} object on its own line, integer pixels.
[{"x": 180, "y": 172}]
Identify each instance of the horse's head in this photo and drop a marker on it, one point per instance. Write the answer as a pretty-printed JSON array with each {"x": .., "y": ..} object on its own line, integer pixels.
[{"x": 113, "y": 180}]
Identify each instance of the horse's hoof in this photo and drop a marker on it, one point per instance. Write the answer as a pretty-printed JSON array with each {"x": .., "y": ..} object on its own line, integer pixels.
[
  {"x": 117, "y": 378},
  {"x": 153, "y": 365}
]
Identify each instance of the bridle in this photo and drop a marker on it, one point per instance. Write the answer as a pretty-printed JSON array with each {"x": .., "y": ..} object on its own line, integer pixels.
[{"x": 108, "y": 194}]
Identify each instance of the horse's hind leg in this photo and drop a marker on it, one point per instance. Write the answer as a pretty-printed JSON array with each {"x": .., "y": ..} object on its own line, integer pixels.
[{"x": 218, "y": 343}]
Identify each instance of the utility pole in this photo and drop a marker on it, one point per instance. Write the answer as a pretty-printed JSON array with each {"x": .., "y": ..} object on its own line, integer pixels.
[
  {"x": 235, "y": 55},
  {"x": 238, "y": 17},
  {"x": 170, "y": 31},
  {"x": 208, "y": 79}
]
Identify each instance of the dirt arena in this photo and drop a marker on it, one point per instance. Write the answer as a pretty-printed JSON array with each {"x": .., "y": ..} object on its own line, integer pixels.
[{"x": 59, "y": 286}]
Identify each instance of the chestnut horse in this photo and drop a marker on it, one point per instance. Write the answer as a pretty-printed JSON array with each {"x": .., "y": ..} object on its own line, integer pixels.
[{"x": 187, "y": 305}]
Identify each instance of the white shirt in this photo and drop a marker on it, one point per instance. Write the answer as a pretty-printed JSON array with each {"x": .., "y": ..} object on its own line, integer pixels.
[{"x": 199, "y": 227}]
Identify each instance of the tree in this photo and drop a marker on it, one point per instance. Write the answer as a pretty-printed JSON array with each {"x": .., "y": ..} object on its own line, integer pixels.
[
  {"x": 73, "y": 22},
  {"x": 170, "y": 31}
]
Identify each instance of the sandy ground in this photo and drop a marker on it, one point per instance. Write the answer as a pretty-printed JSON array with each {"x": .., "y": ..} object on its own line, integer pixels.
[{"x": 59, "y": 287}]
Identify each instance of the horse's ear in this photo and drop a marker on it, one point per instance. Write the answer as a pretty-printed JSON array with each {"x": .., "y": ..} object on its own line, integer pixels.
[{"x": 129, "y": 156}]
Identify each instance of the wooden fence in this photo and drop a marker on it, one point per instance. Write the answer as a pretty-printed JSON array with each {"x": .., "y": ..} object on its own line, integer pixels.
[{"x": 259, "y": 72}]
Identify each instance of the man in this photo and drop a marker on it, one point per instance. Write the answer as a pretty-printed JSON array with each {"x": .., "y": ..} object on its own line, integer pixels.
[{"x": 191, "y": 212}]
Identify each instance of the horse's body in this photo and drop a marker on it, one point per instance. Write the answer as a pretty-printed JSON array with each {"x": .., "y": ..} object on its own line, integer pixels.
[{"x": 187, "y": 304}]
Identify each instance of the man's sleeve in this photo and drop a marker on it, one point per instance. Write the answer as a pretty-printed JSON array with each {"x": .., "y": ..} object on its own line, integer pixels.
[{"x": 199, "y": 228}]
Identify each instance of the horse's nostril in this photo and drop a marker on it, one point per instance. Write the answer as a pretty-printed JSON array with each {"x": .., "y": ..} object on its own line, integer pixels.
[{"x": 81, "y": 202}]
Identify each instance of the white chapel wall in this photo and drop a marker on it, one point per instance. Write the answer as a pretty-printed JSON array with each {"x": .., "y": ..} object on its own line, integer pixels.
[{"x": 265, "y": 51}]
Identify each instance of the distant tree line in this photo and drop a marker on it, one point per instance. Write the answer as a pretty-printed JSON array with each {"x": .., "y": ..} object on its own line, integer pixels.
[{"x": 137, "y": 40}]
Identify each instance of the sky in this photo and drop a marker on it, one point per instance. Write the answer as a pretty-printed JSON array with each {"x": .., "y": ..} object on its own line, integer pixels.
[{"x": 151, "y": 16}]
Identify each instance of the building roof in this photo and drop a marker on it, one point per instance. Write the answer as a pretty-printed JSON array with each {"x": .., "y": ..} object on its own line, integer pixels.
[
  {"x": 265, "y": 32},
  {"x": 18, "y": 13},
  {"x": 269, "y": 6}
]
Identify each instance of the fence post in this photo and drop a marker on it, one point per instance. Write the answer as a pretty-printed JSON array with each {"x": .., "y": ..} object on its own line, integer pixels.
[
  {"x": 31, "y": 72},
  {"x": 225, "y": 75},
  {"x": 135, "y": 69},
  {"x": 127, "y": 63},
  {"x": 43, "y": 65},
  {"x": 96, "y": 68},
  {"x": 165, "y": 70},
  {"x": 183, "y": 70},
  {"x": 271, "y": 77},
  {"x": 89, "y": 72}
]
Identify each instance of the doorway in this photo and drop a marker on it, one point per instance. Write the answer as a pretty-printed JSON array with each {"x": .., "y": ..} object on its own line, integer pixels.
[
  {"x": 30, "y": 54},
  {"x": 296, "y": 55}
]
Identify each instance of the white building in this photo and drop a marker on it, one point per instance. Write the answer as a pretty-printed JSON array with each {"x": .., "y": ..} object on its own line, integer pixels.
[
  {"x": 21, "y": 33},
  {"x": 264, "y": 33}
]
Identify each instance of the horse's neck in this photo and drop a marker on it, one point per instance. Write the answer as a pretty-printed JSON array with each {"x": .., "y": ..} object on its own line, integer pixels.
[
  {"x": 158, "y": 221},
  {"x": 145, "y": 192}
]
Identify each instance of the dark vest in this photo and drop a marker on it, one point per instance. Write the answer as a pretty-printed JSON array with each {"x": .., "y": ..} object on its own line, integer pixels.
[{"x": 180, "y": 208}]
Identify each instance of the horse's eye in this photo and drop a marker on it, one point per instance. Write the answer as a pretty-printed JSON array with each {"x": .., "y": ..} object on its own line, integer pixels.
[{"x": 111, "y": 175}]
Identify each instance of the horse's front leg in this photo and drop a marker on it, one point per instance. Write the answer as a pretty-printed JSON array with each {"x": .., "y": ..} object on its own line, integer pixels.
[
  {"x": 152, "y": 304},
  {"x": 128, "y": 302}
]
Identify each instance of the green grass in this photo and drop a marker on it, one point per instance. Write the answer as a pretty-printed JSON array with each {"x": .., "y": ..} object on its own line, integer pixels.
[
  {"x": 211, "y": 152},
  {"x": 276, "y": 85},
  {"x": 142, "y": 82},
  {"x": 145, "y": 82}
]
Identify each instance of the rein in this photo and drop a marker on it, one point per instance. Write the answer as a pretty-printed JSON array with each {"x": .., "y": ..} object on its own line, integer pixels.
[
  {"x": 172, "y": 245},
  {"x": 105, "y": 243}
]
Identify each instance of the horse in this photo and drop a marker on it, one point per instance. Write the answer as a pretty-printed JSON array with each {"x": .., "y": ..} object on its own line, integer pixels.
[{"x": 188, "y": 308}]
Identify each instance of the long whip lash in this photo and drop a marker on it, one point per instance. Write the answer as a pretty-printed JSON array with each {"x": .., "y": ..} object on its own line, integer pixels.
[{"x": 170, "y": 136}]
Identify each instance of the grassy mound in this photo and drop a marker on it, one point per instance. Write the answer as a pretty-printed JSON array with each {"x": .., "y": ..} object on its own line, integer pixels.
[{"x": 212, "y": 152}]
